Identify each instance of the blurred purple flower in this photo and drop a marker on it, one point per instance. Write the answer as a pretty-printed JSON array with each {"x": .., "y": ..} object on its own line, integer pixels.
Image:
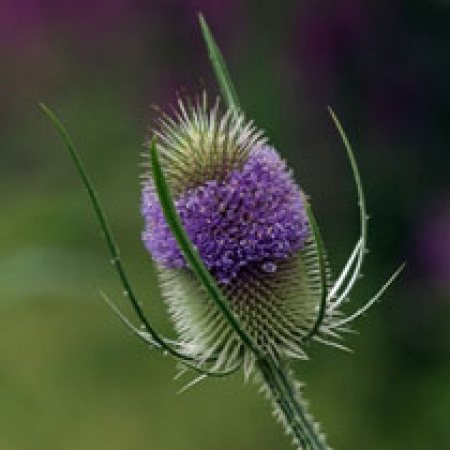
[
  {"x": 21, "y": 21},
  {"x": 214, "y": 10},
  {"x": 341, "y": 42},
  {"x": 324, "y": 34},
  {"x": 26, "y": 16},
  {"x": 433, "y": 242}
]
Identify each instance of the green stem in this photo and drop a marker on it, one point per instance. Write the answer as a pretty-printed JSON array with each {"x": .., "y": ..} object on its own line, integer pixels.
[{"x": 285, "y": 394}]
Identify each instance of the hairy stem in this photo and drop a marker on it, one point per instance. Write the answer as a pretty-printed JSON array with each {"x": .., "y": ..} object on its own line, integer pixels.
[{"x": 281, "y": 387}]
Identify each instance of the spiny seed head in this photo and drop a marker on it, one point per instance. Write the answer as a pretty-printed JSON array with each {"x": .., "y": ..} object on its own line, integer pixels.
[{"x": 245, "y": 215}]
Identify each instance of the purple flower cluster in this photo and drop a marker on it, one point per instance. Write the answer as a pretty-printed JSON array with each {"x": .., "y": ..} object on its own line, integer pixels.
[{"x": 254, "y": 217}]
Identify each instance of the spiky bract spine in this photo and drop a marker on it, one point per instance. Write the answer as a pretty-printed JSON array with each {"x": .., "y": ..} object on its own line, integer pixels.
[{"x": 199, "y": 144}]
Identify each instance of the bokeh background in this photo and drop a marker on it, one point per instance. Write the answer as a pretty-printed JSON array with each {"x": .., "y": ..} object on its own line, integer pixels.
[{"x": 70, "y": 376}]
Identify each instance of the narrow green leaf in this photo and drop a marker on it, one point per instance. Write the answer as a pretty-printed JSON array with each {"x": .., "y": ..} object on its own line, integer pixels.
[
  {"x": 146, "y": 337},
  {"x": 159, "y": 342},
  {"x": 322, "y": 269},
  {"x": 361, "y": 202},
  {"x": 190, "y": 253},
  {"x": 220, "y": 69},
  {"x": 344, "y": 272},
  {"x": 374, "y": 299}
]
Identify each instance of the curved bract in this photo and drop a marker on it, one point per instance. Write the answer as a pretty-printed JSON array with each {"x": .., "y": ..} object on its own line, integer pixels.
[{"x": 153, "y": 338}]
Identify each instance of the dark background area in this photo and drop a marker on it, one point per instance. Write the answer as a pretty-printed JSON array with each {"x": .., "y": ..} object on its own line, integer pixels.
[{"x": 70, "y": 376}]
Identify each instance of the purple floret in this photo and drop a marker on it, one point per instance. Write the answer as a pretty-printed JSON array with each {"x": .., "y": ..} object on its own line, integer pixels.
[{"x": 254, "y": 217}]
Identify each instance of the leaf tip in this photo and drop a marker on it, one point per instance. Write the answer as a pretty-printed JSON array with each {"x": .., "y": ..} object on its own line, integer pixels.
[
  {"x": 202, "y": 21},
  {"x": 333, "y": 116},
  {"x": 402, "y": 267},
  {"x": 47, "y": 111}
]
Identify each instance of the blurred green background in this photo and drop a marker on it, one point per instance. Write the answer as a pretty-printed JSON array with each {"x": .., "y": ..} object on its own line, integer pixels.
[{"x": 71, "y": 377}]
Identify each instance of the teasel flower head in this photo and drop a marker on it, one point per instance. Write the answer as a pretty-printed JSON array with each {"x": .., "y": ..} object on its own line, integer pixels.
[{"x": 245, "y": 215}]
